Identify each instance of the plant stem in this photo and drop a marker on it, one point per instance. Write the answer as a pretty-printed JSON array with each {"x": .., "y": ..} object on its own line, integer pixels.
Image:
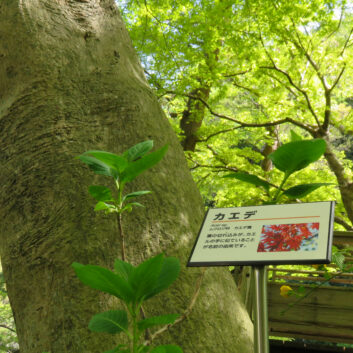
[
  {"x": 120, "y": 227},
  {"x": 122, "y": 237},
  {"x": 275, "y": 199}
]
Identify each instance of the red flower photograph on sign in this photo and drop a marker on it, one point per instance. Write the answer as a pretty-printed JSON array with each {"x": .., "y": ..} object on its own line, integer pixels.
[{"x": 289, "y": 237}]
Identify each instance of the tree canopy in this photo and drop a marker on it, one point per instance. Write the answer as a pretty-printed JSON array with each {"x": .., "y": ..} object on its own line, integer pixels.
[{"x": 239, "y": 78}]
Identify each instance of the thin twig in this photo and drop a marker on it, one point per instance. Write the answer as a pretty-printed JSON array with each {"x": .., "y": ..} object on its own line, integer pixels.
[
  {"x": 7, "y": 327},
  {"x": 306, "y": 127},
  {"x": 122, "y": 237},
  {"x": 186, "y": 312}
]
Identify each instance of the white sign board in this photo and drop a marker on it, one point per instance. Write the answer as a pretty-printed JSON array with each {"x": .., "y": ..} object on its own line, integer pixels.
[{"x": 269, "y": 234}]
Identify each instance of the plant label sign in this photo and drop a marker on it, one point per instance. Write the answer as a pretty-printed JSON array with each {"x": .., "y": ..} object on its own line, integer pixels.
[{"x": 263, "y": 235}]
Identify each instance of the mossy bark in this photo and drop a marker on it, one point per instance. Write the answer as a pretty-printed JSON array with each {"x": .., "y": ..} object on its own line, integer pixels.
[{"x": 70, "y": 81}]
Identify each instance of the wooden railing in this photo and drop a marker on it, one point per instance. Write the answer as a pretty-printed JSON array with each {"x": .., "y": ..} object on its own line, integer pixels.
[{"x": 325, "y": 315}]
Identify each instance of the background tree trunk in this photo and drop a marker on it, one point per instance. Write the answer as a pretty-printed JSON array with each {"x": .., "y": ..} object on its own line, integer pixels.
[{"x": 70, "y": 81}]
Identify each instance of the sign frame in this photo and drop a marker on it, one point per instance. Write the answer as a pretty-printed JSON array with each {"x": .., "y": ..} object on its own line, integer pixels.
[{"x": 269, "y": 260}]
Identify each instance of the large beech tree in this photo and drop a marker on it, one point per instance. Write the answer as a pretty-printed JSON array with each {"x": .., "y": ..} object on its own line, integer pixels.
[{"x": 70, "y": 81}]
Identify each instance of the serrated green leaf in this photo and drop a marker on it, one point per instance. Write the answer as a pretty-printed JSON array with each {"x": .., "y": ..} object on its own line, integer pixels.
[
  {"x": 123, "y": 269},
  {"x": 100, "y": 206},
  {"x": 112, "y": 321},
  {"x": 249, "y": 178},
  {"x": 156, "y": 321},
  {"x": 302, "y": 190},
  {"x": 138, "y": 150},
  {"x": 98, "y": 167},
  {"x": 136, "y": 168},
  {"x": 104, "y": 280},
  {"x": 169, "y": 348},
  {"x": 136, "y": 194},
  {"x": 168, "y": 274},
  {"x": 144, "y": 277},
  {"x": 297, "y": 155},
  {"x": 114, "y": 161},
  {"x": 100, "y": 193}
]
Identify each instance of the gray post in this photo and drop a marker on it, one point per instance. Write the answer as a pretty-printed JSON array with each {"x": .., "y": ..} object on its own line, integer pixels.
[{"x": 260, "y": 310}]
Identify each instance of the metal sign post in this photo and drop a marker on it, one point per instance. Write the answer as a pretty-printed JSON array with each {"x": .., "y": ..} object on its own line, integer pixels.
[
  {"x": 260, "y": 310},
  {"x": 265, "y": 235}
]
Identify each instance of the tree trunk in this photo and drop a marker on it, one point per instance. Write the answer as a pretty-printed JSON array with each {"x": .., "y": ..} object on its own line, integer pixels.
[
  {"x": 70, "y": 81},
  {"x": 192, "y": 118}
]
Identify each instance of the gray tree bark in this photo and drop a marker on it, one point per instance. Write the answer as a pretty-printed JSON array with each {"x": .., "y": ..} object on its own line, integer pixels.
[{"x": 70, "y": 81}]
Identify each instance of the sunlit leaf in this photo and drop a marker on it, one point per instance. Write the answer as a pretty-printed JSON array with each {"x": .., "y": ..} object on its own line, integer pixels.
[
  {"x": 114, "y": 161},
  {"x": 138, "y": 150},
  {"x": 136, "y": 168},
  {"x": 297, "y": 155},
  {"x": 98, "y": 166},
  {"x": 101, "y": 206},
  {"x": 249, "y": 178},
  {"x": 136, "y": 194}
]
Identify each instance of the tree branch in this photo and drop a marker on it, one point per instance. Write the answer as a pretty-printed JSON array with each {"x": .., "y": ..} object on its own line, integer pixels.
[
  {"x": 302, "y": 91},
  {"x": 303, "y": 126},
  {"x": 7, "y": 327},
  {"x": 218, "y": 133},
  {"x": 343, "y": 223},
  {"x": 185, "y": 313},
  {"x": 346, "y": 42}
]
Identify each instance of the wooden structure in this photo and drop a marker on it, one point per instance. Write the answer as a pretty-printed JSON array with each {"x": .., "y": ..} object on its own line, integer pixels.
[{"x": 324, "y": 315}]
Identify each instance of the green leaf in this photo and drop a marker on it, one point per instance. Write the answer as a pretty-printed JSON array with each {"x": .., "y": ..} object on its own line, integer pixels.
[
  {"x": 294, "y": 136},
  {"x": 297, "y": 155},
  {"x": 169, "y": 273},
  {"x": 104, "y": 280},
  {"x": 136, "y": 168},
  {"x": 128, "y": 206},
  {"x": 144, "y": 277},
  {"x": 112, "y": 321},
  {"x": 105, "y": 206},
  {"x": 100, "y": 193},
  {"x": 157, "y": 320},
  {"x": 123, "y": 269},
  {"x": 98, "y": 167},
  {"x": 138, "y": 150},
  {"x": 169, "y": 348},
  {"x": 114, "y": 161},
  {"x": 302, "y": 190},
  {"x": 338, "y": 258},
  {"x": 249, "y": 178},
  {"x": 136, "y": 194}
]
